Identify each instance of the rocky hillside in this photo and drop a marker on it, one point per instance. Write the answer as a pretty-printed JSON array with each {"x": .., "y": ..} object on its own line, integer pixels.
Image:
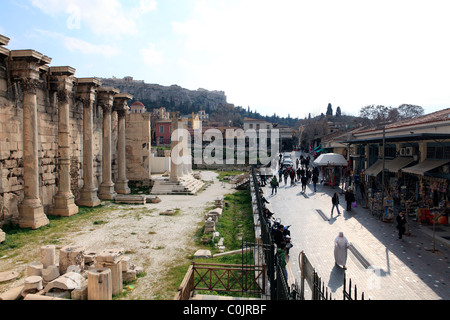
[{"x": 172, "y": 98}]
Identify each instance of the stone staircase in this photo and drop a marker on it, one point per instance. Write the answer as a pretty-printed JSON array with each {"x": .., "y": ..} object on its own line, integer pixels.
[{"x": 186, "y": 184}]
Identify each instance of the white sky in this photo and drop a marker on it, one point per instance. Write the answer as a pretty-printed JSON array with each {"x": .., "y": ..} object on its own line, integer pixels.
[{"x": 284, "y": 57}]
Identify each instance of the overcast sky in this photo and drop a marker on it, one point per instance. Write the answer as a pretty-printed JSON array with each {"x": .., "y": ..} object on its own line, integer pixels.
[{"x": 285, "y": 57}]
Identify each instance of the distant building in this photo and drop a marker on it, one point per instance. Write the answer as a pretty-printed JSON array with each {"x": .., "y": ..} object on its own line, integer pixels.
[
  {"x": 138, "y": 107},
  {"x": 256, "y": 124},
  {"x": 163, "y": 132},
  {"x": 202, "y": 115}
]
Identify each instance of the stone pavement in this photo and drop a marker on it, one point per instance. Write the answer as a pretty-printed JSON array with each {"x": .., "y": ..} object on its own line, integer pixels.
[{"x": 387, "y": 268}]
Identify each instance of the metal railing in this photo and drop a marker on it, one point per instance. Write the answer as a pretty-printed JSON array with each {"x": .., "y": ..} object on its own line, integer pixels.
[{"x": 222, "y": 278}]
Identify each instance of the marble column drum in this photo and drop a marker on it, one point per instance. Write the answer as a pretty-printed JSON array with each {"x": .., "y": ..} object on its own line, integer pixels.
[{"x": 25, "y": 70}]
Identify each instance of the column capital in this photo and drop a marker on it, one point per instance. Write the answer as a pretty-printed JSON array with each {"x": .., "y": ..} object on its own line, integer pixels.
[
  {"x": 86, "y": 90},
  {"x": 105, "y": 98},
  {"x": 121, "y": 103},
  {"x": 25, "y": 64},
  {"x": 62, "y": 81}
]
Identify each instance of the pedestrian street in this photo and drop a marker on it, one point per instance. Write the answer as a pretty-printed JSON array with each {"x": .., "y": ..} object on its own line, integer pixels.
[{"x": 381, "y": 265}]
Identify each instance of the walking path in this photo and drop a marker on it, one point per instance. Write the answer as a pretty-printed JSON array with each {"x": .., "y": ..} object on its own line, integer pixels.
[{"x": 387, "y": 268}]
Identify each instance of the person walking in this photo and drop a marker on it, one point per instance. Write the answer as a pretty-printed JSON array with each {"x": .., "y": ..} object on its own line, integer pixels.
[
  {"x": 340, "y": 250},
  {"x": 274, "y": 184},
  {"x": 315, "y": 179},
  {"x": 335, "y": 202},
  {"x": 303, "y": 180},
  {"x": 285, "y": 175},
  {"x": 401, "y": 222},
  {"x": 292, "y": 176},
  {"x": 349, "y": 198}
]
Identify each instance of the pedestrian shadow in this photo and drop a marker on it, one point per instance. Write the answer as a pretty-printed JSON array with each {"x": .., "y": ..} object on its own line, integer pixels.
[{"x": 336, "y": 280}]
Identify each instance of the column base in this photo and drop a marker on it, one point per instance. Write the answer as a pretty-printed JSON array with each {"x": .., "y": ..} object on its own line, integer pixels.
[
  {"x": 32, "y": 215},
  {"x": 64, "y": 206},
  {"x": 122, "y": 187},
  {"x": 107, "y": 192},
  {"x": 88, "y": 198}
]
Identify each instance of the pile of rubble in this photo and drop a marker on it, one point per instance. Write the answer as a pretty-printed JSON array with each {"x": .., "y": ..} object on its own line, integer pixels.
[
  {"x": 79, "y": 275},
  {"x": 211, "y": 219}
]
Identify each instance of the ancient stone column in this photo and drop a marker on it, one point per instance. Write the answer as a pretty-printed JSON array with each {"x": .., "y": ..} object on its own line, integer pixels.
[
  {"x": 99, "y": 284},
  {"x": 48, "y": 254},
  {"x": 106, "y": 100},
  {"x": 112, "y": 259},
  {"x": 62, "y": 80},
  {"x": 121, "y": 107},
  {"x": 25, "y": 70},
  {"x": 174, "y": 167},
  {"x": 86, "y": 92}
]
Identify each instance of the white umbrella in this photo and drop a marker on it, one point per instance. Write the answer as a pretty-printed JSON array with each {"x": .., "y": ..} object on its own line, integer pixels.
[{"x": 330, "y": 159}]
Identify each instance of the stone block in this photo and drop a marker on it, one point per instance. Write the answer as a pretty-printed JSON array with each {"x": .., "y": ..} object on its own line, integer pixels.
[
  {"x": 12, "y": 294},
  {"x": 48, "y": 256},
  {"x": 130, "y": 199},
  {"x": 202, "y": 254},
  {"x": 35, "y": 269},
  {"x": 210, "y": 226},
  {"x": 71, "y": 255},
  {"x": 50, "y": 273},
  {"x": 129, "y": 275},
  {"x": 110, "y": 256},
  {"x": 68, "y": 281},
  {"x": 81, "y": 293}
]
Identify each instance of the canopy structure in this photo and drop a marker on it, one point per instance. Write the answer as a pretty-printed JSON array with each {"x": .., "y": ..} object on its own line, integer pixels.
[
  {"x": 426, "y": 165},
  {"x": 331, "y": 159},
  {"x": 375, "y": 169},
  {"x": 398, "y": 163},
  {"x": 391, "y": 165}
]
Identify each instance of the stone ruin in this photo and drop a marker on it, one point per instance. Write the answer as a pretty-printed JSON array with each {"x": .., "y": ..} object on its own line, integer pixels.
[
  {"x": 211, "y": 219},
  {"x": 64, "y": 141},
  {"x": 79, "y": 274}
]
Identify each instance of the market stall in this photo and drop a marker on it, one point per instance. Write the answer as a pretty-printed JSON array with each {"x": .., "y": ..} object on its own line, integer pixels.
[
  {"x": 331, "y": 165},
  {"x": 428, "y": 191}
]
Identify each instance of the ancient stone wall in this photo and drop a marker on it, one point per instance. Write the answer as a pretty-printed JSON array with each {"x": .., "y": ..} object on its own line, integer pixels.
[{"x": 12, "y": 134}]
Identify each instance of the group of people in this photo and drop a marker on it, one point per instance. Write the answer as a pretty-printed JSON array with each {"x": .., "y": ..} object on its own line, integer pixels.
[
  {"x": 302, "y": 173},
  {"x": 280, "y": 237},
  {"x": 341, "y": 244}
]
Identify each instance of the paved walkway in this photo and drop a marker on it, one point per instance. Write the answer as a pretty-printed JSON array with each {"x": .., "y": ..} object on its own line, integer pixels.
[{"x": 406, "y": 269}]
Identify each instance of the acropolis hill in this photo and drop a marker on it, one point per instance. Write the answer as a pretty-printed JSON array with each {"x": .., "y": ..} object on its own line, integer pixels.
[{"x": 174, "y": 96}]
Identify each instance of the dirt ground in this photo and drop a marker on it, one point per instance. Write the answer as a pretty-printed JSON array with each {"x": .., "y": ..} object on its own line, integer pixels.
[{"x": 153, "y": 241}]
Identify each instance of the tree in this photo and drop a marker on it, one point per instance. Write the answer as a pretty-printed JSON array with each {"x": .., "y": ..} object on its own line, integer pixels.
[
  {"x": 379, "y": 114},
  {"x": 409, "y": 111},
  {"x": 338, "y": 112},
  {"x": 375, "y": 113},
  {"x": 329, "y": 110}
]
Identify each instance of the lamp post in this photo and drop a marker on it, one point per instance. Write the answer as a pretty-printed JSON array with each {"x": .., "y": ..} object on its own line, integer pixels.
[
  {"x": 383, "y": 127},
  {"x": 382, "y": 174}
]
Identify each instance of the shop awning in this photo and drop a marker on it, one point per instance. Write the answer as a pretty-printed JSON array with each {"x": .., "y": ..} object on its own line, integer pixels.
[
  {"x": 397, "y": 163},
  {"x": 425, "y": 166},
  {"x": 375, "y": 169}
]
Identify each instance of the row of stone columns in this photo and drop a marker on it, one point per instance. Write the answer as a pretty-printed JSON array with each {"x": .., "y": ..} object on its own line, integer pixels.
[{"x": 25, "y": 69}]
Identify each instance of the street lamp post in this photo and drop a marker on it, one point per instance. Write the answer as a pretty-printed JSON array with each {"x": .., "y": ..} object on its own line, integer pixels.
[{"x": 382, "y": 174}]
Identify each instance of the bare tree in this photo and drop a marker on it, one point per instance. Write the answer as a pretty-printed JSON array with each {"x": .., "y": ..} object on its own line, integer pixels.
[{"x": 409, "y": 111}]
